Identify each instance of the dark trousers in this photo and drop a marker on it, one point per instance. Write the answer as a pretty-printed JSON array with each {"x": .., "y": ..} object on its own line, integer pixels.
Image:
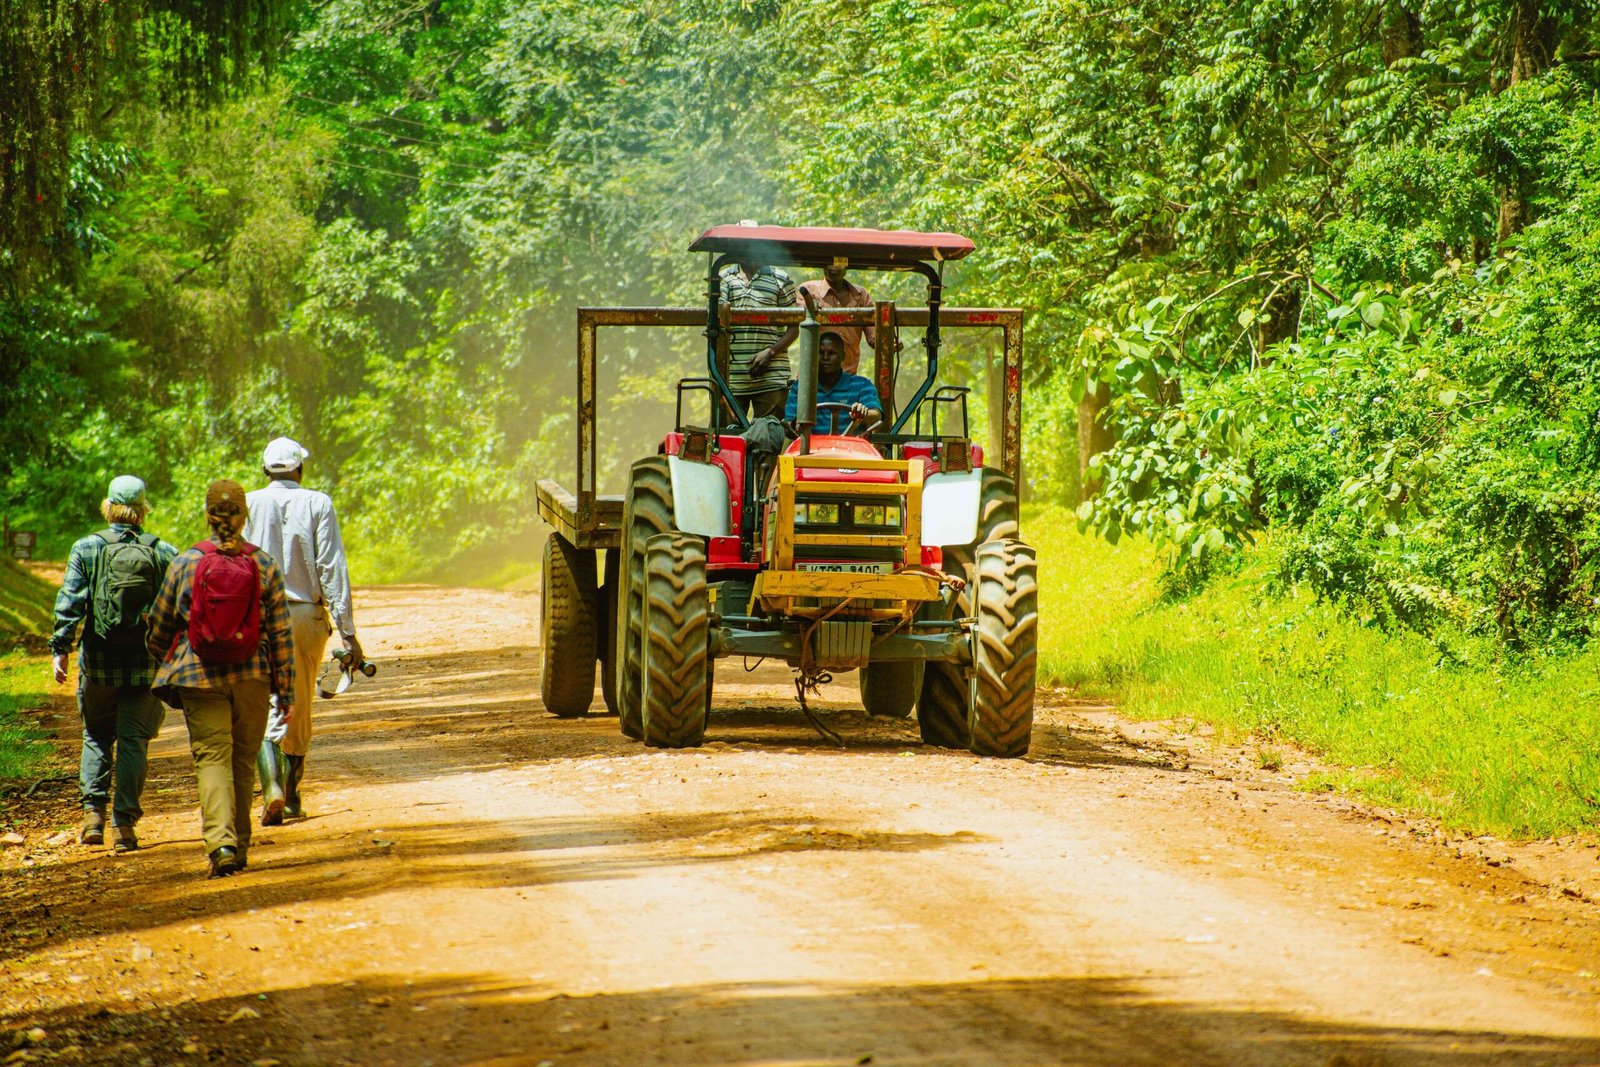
[
  {"x": 757, "y": 405},
  {"x": 118, "y": 724}
]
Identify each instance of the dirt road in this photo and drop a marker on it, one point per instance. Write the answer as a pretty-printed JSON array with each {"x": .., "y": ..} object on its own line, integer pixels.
[{"x": 483, "y": 884}]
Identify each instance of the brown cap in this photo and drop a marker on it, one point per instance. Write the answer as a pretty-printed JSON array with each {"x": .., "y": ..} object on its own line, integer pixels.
[{"x": 226, "y": 498}]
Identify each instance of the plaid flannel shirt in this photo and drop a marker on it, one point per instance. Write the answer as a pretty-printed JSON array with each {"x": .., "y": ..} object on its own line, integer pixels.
[
  {"x": 169, "y": 634},
  {"x": 100, "y": 662}
]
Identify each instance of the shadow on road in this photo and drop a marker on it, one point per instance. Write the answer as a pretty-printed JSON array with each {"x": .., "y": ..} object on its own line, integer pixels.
[
  {"x": 164, "y": 886},
  {"x": 1091, "y": 1021}
]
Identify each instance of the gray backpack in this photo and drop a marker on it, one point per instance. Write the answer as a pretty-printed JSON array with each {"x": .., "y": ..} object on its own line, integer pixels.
[{"x": 126, "y": 580}]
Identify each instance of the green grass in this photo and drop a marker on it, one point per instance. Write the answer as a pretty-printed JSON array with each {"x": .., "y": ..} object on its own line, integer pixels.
[
  {"x": 26, "y": 606},
  {"x": 24, "y": 681},
  {"x": 1509, "y": 747}
]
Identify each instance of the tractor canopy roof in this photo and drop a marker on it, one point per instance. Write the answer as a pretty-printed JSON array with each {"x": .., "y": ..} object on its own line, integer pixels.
[{"x": 823, "y": 246}]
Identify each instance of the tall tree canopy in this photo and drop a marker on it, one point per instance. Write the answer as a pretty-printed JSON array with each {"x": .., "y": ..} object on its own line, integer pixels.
[
  {"x": 68, "y": 67},
  {"x": 1324, "y": 269}
]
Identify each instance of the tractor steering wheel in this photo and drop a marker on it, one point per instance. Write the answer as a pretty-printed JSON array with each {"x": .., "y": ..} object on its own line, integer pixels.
[{"x": 832, "y": 408}]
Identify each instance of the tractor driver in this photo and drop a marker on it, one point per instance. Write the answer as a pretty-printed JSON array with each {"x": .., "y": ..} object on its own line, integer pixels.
[{"x": 835, "y": 385}]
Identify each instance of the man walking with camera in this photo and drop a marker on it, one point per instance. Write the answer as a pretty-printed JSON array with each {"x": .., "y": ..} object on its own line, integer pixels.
[{"x": 297, "y": 527}]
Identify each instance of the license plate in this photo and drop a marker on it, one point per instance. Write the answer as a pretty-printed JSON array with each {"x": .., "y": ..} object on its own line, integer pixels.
[{"x": 848, "y": 568}]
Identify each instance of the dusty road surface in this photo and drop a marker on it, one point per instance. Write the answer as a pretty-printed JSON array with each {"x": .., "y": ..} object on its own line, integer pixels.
[{"x": 480, "y": 883}]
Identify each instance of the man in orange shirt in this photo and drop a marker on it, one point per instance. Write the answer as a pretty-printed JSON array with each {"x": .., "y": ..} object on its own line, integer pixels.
[{"x": 834, "y": 290}]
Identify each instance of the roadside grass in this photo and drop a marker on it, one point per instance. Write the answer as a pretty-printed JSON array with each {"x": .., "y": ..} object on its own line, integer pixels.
[
  {"x": 1510, "y": 747},
  {"x": 25, "y": 751},
  {"x": 511, "y": 561},
  {"x": 26, "y": 606},
  {"x": 25, "y": 620}
]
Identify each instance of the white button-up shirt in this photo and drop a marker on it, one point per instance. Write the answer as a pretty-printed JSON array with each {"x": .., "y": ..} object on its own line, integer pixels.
[{"x": 296, "y": 526}]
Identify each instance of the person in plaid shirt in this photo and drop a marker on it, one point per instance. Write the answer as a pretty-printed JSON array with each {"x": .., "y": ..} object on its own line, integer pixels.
[
  {"x": 119, "y": 713},
  {"x": 224, "y": 705}
]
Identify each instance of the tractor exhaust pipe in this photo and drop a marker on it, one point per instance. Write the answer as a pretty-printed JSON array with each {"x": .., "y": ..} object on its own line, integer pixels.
[{"x": 805, "y": 408}]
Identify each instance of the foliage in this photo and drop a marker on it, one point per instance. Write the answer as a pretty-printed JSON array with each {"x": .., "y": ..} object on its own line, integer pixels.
[
  {"x": 1333, "y": 265},
  {"x": 1488, "y": 745},
  {"x": 69, "y": 66}
]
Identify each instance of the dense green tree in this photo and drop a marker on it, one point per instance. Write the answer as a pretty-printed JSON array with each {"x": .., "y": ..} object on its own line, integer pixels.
[
  {"x": 1323, "y": 269},
  {"x": 70, "y": 69}
]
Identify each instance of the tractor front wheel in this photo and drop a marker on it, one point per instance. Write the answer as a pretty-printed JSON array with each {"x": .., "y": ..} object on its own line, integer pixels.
[
  {"x": 1005, "y": 659},
  {"x": 675, "y": 667},
  {"x": 569, "y": 616},
  {"x": 646, "y": 512},
  {"x": 943, "y": 709}
]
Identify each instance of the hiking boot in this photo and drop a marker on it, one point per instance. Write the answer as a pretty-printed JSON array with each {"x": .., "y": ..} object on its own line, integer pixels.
[
  {"x": 269, "y": 764},
  {"x": 127, "y": 840},
  {"x": 294, "y": 772},
  {"x": 224, "y": 861},
  {"x": 94, "y": 827}
]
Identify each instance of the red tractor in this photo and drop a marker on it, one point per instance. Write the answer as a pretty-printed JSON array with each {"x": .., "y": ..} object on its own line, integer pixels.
[{"x": 889, "y": 550}]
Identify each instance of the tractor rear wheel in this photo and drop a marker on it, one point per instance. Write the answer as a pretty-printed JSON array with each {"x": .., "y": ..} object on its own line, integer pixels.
[
  {"x": 568, "y": 615},
  {"x": 646, "y": 511},
  {"x": 675, "y": 665},
  {"x": 1000, "y": 722},
  {"x": 890, "y": 689},
  {"x": 943, "y": 706},
  {"x": 608, "y": 633}
]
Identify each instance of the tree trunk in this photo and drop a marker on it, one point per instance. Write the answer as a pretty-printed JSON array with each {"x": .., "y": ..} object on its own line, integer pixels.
[
  {"x": 1402, "y": 34},
  {"x": 1532, "y": 41},
  {"x": 1093, "y": 436},
  {"x": 1283, "y": 318}
]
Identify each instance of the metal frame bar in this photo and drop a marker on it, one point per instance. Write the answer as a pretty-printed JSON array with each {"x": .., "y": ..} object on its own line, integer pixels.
[
  {"x": 952, "y": 647},
  {"x": 585, "y": 514}
]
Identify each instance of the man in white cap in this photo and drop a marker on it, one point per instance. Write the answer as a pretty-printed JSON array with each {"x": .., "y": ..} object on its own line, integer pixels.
[{"x": 296, "y": 526}]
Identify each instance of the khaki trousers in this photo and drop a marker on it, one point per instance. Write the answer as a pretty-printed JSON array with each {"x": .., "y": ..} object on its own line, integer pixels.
[
  {"x": 225, "y": 729},
  {"x": 311, "y": 628}
]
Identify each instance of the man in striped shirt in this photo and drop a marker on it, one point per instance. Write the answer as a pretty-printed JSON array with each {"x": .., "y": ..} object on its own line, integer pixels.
[
  {"x": 758, "y": 374},
  {"x": 120, "y": 715}
]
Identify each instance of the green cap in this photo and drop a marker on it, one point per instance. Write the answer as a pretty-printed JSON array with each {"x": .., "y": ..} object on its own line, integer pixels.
[{"x": 126, "y": 489}]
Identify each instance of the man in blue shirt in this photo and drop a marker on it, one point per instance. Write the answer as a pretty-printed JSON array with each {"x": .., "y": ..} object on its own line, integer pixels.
[{"x": 835, "y": 385}]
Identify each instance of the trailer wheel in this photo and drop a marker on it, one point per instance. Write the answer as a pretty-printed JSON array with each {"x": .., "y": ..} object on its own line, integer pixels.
[
  {"x": 646, "y": 511},
  {"x": 675, "y": 665},
  {"x": 608, "y": 633},
  {"x": 568, "y": 614},
  {"x": 1006, "y": 654},
  {"x": 942, "y": 710},
  {"x": 890, "y": 689}
]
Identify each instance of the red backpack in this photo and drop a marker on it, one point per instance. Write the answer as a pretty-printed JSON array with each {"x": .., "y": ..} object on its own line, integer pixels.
[{"x": 225, "y": 606}]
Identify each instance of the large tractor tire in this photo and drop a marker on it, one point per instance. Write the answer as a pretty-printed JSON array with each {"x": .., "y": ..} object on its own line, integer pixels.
[
  {"x": 646, "y": 511},
  {"x": 1000, "y": 722},
  {"x": 608, "y": 633},
  {"x": 569, "y": 618},
  {"x": 942, "y": 708},
  {"x": 890, "y": 689},
  {"x": 675, "y": 665}
]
